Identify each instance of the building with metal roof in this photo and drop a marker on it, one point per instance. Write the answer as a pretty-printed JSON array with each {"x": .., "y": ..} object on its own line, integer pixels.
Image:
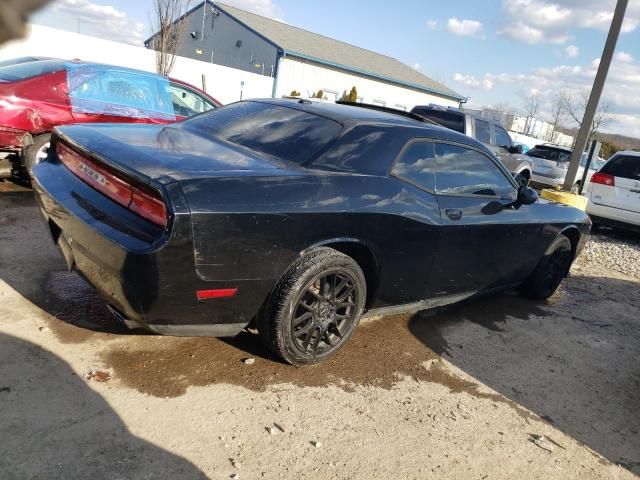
[{"x": 303, "y": 61}]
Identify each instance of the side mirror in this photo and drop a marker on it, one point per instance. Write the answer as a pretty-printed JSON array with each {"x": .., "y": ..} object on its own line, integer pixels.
[
  {"x": 516, "y": 149},
  {"x": 526, "y": 196}
]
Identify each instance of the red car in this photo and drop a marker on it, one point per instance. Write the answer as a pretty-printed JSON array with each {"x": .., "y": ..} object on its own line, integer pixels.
[{"x": 36, "y": 96}]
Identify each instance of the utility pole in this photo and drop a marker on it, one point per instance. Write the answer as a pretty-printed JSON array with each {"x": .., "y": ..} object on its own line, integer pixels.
[{"x": 596, "y": 91}]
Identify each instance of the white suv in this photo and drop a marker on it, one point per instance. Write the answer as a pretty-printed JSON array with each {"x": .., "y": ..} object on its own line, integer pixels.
[{"x": 614, "y": 192}]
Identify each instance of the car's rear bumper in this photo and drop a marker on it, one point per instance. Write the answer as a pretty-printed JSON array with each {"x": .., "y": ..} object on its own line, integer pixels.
[
  {"x": 544, "y": 181},
  {"x": 147, "y": 276},
  {"x": 614, "y": 217},
  {"x": 14, "y": 140}
]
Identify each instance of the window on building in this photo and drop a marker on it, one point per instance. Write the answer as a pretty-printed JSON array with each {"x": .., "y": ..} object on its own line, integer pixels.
[
  {"x": 465, "y": 171},
  {"x": 382, "y": 103},
  {"x": 483, "y": 131},
  {"x": 417, "y": 165},
  {"x": 401, "y": 107}
]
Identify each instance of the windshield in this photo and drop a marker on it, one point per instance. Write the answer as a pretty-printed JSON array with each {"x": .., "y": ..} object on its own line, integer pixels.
[
  {"x": 22, "y": 71},
  {"x": 281, "y": 132},
  {"x": 451, "y": 120},
  {"x": 550, "y": 153}
]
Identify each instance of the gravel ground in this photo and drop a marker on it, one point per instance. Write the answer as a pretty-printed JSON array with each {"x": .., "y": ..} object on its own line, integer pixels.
[
  {"x": 495, "y": 388},
  {"x": 614, "y": 249}
]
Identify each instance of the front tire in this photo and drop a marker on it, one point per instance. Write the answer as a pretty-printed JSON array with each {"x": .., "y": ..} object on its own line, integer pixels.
[
  {"x": 522, "y": 179},
  {"x": 551, "y": 269},
  {"x": 314, "y": 308},
  {"x": 34, "y": 154}
]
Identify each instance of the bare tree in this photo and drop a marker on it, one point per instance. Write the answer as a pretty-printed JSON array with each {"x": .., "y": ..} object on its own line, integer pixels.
[
  {"x": 558, "y": 110},
  {"x": 576, "y": 104},
  {"x": 531, "y": 109},
  {"x": 169, "y": 28}
]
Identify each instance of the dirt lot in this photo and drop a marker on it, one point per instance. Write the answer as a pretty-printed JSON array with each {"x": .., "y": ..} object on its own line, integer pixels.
[{"x": 461, "y": 392}]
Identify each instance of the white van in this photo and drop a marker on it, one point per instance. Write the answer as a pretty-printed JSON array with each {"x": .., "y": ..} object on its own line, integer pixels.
[{"x": 614, "y": 192}]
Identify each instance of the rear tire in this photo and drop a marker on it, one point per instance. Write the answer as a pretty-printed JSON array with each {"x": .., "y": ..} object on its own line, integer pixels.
[
  {"x": 576, "y": 188},
  {"x": 34, "y": 154},
  {"x": 314, "y": 308},
  {"x": 551, "y": 269}
]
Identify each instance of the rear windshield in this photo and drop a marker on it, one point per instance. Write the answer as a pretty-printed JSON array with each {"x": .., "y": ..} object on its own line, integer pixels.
[
  {"x": 281, "y": 132},
  {"x": 452, "y": 120},
  {"x": 550, "y": 153},
  {"x": 625, "y": 166},
  {"x": 22, "y": 71}
]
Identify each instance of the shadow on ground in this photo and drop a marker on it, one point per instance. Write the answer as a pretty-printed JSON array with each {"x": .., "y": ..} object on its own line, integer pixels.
[
  {"x": 54, "y": 426},
  {"x": 572, "y": 360}
]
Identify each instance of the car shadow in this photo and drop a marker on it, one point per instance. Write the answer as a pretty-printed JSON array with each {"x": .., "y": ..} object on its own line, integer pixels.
[
  {"x": 573, "y": 361},
  {"x": 54, "y": 426}
]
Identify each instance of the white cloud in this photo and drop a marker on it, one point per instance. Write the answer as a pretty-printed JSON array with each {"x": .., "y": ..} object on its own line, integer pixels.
[
  {"x": 521, "y": 32},
  {"x": 485, "y": 83},
  {"x": 623, "y": 57},
  {"x": 266, "y": 8},
  {"x": 571, "y": 51},
  {"x": 103, "y": 21},
  {"x": 551, "y": 21},
  {"x": 623, "y": 83},
  {"x": 432, "y": 24},
  {"x": 465, "y": 28}
]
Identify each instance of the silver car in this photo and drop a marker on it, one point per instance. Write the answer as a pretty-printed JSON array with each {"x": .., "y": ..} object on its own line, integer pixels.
[{"x": 551, "y": 164}]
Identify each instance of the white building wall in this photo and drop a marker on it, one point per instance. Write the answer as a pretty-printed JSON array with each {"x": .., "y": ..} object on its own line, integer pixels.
[
  {"x": 223, "y": 83},
  {"x": 307, "y": 78},
  {"x": 539, "y": 132}
]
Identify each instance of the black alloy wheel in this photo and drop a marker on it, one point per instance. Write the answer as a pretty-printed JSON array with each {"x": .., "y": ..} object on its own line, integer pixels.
[
  {"x": 314, "y": 308},
  {"x": 325, "y": 311},
  {"x": 551, "y": 269}
]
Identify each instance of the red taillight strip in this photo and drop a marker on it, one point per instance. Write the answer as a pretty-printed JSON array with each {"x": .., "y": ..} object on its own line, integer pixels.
[
  {"x": 147, "y": 205},
  {"x": 217, "y": 293},
  {"x": 603, "y": 179}
]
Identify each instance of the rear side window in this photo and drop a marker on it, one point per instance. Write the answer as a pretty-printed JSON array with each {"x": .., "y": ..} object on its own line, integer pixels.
[
  {"x": 417, "y": 165},
  {"x": 452, "y": 120},
  {"x": 502, "y": 137},
  {"x": 483, "y": 131},
  {"x": 550, "y": 153},
  {"x": 625, "y": 166},
  {"x": 22, "y": 71},
  {"x": 464, "y": 171},
  {"x": 280, "y": 132}
]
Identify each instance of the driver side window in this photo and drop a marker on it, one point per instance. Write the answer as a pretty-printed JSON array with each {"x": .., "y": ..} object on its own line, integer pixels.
[{"x": 463, "y": 171}]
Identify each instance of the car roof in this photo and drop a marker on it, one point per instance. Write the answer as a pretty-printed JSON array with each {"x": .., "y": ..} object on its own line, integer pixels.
[
  {"x": 629, "y": 153},
  {"x": 553, "y": 145},
  {"x": 349, "y": 113},
  {"x": 462, "y": 113}
]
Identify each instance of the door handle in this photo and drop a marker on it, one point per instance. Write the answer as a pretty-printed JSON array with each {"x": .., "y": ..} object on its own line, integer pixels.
[{"x": 454, "y": 213}]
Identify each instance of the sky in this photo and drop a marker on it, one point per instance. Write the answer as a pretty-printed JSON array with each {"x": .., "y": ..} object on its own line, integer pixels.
[{"x": 496, "y": 52}]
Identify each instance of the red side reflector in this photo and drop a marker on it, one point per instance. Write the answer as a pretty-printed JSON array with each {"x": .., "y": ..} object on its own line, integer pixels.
[
  {"x": 141, "y": 200},
  {"x": 603, "y": 179},
  {"x": 218, "y": 293}
]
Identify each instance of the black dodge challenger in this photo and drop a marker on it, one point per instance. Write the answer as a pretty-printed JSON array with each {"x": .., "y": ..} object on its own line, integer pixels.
[{"x": 296, "y": 217}]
